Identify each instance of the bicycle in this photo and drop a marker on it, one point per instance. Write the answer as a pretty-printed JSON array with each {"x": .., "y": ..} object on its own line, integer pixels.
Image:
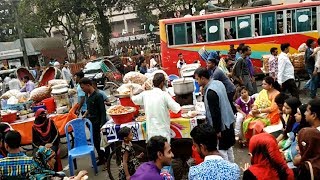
[{"x": 114, "y": 159}]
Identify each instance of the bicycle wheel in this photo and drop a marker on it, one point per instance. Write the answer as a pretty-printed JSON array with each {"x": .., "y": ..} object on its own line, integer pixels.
[
  {"x": 114, "y": 160},
  {"x": 64, "y": 146}
]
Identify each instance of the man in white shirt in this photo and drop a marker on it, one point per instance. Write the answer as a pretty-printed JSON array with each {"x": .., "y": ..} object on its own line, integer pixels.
[
  {"x": 153, "y": 62},
  {"x": 180, "y": 62},
  {"x": 316, "y": 54},
  {"x": 286, "y": 72},
  {"x": 313, "y": 113},
  {"x": 66, "y": 74},
  {"x": 157, "y": 104},
  {"x": 14, "y": 83}
]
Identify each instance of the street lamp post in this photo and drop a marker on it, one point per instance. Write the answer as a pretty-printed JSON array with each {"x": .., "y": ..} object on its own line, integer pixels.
[{"x": 18, "y": 26}]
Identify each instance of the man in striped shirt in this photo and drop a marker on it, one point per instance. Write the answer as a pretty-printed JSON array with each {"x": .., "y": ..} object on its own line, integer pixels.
[{"x": 16, "y": 164}]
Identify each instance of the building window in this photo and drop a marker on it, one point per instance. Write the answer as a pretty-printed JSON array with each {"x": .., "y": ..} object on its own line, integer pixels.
[
  {"x": 268, "y": 23},
  {"x": 213, "y": 30},
  {"x": 244, "y": 26}
]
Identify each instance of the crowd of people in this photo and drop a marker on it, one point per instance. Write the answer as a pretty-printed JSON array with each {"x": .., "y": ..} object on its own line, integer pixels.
[{"x": 235, "y": 112}]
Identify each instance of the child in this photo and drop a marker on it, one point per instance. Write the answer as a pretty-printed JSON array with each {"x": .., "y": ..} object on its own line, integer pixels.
[
  {"x": 243, "y": 104},
  {"x": 129, "y": 161}
]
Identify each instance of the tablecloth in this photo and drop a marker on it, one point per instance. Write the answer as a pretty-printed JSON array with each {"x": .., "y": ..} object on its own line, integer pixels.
[
  {"x": 180, "y": 128},
  {"x": 25, "y": 128}
]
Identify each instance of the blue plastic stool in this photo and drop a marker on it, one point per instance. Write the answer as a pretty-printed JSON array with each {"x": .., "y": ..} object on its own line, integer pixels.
[{"x": 81, "y": 146}]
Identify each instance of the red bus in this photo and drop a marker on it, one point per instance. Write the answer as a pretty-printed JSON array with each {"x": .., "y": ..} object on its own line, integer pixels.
[{"x": 260, "y": 27}]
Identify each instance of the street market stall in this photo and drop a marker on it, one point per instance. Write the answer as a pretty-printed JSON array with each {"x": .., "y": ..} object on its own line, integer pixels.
[
  {"x": 18, "y": 109},
  {"x": 127, "y": 114}
]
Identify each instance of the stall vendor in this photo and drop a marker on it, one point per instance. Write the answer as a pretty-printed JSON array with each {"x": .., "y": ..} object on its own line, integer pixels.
[
  {"x": 29, "y": 85},
  {"x": 157, "y": 104}
]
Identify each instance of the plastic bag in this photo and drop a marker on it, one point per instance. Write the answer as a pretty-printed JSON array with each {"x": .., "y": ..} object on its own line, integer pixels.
[
  {"x": 148, "y": 85},
  {"x": 10, "y": 93},
  {"x": 303, "y": 47},
  {"x": 12, "y": 100},
  {"x": 125, "y": 88},
  {"x": 40, "y": 94},
  {"x": 57, "y": 82},
  {"x": 134, "y": 77}
]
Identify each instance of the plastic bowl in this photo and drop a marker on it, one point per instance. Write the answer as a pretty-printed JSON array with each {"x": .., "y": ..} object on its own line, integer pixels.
[{"x": 123, "y": 118}]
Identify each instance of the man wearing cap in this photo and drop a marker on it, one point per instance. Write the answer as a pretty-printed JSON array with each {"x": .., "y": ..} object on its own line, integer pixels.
[
  {"x": 57, "y": 67},
  {"x": 66, "y": 74},
  {"x": 217, "y": 74}
]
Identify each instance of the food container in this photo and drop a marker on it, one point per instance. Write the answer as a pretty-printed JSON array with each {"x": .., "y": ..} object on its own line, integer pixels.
[
  {"x": 126, "y": 101},
  {"x": 50, "y": 105},
  {"x": 35, "y": 108},
  {"x": 9, "y": 117},
  {"x": 187, "y": 108},
  {"x": 23, "y": 117},
  {"x": 173, "y": 115},
  {"x": 123, "y": 117},
  {"x": 183, "y": 86}
]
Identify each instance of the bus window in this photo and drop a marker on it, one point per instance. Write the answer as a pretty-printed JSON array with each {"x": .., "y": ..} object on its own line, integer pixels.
[
  {"x": 230, "y": 28},
  {"x": 314, "y": 18},
  {"x": 201, "y": 33},
  {"x": 280, "y": 22},
  {"x": 244, "y": 26},
  {"x": 170, "y": 34},
  {"x": 268, "y": 23},
  {"x": 213, "y": 30},
  {"x": 257, "y": 25},
  {"x": 303, "y": 19},
  {"x": 189, "y": 33},
  {"x": 291, "y": 22},
  {"x": 179, "y": 34}
]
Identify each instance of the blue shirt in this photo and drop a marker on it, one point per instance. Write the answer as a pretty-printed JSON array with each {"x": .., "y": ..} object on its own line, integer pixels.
[
  {"x": 81, "y": 94},
  {"x": 104, "y": 95},
  {"x": 217, "y": 74},
  {"x": 15, "y": 165},
  {"x": 214, "y": 167}
]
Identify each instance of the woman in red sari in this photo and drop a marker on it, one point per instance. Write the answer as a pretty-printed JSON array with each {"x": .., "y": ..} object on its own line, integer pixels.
[
  {"x": 45, "y": 132},
  {"x": 266, "y": 161}
]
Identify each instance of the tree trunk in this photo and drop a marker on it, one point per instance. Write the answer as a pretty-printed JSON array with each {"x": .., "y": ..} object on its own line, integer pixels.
[{"x": 104, "y": 29}]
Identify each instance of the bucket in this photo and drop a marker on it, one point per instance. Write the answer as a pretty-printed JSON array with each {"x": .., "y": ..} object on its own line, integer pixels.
[
  {"x": 50, "y": 105},
  {"x": 35, "y": 108},
  {"x": 126, "y": 101}
]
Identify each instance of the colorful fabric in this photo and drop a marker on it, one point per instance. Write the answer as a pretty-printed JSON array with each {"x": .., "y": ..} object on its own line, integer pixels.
[
  {"x": 214, "y": 167},
  {"x": 261, "y": 167},
  {"x": 133, "y": 162},
  {"x": 273, "y": 65},
  {"x": 263, "y": 101},
  {"x": 15, "y": 165},
  {"x": 40, "y": 167}
]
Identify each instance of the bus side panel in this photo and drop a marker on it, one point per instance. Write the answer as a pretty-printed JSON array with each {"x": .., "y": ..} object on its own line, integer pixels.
[{"x": 259, "y": 45}]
